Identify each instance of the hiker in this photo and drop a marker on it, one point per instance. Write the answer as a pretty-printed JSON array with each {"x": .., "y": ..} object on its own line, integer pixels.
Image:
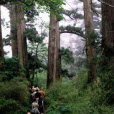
[
  {"x": 36, "y": 87},
  {"x": 41, "y": 106},
  {"x": 41, "y": 101},
  {"x": 37, "y": 95},
  {"x": 35, "y": 107},
  {"x": 42, "y": 94},
  {"x": 33, "y": 94}
]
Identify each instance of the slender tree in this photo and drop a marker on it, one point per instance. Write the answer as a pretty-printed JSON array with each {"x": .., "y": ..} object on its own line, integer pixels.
[
  {"x": 1, "y": 45},
  {"x": 90, "y": 50},
  {"x": 53, "y": 51}
]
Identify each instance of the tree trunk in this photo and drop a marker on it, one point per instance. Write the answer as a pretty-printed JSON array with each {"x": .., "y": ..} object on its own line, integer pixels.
[
  {"x": 1, "y": 46},
  {"x": 108, "y": 32},
  {"x": 90, "y": 50},
  {"x": 13, "y": 31},
  {"x": 22, "y": 43},
  {"x": 108, "y": 49},
  {"x": 53, "y": 51}
]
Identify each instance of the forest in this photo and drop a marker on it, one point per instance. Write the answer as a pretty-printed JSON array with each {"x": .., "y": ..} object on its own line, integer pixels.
[{"x": 70, "y": 57}]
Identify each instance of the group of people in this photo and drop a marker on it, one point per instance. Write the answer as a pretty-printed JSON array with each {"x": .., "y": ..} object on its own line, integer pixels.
[{"x": 37, "y": 98}]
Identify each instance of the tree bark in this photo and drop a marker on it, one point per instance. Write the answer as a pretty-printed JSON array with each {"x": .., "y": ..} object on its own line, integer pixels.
[
  {"x": 108, "y": 32},
  {"x": 13, "y": 31},
  {"x": 90, "y": 50},
  {"x": 22, "y": 43},
  {"x": 108, "y": 49},
  {"x": 53, "y": 51},
  {"x": 1, "y": 46}
]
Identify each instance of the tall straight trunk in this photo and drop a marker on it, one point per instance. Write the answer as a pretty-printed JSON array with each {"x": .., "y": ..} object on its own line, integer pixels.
[
  {"x": 108, "y": 49},
  {"x": 90, "y": 51},
  {"x": 13, "y": 31},
  {"x": 22, "y": 43},
  {"x": 1, "y": 45},
  {"x": 53, "y": 51},
  {"x": 108, "y": 32}
]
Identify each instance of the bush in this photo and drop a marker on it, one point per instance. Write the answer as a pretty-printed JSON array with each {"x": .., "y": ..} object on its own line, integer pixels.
[
  {"x": 8, "y": 106},
  {"x": 14, "y": 96},
  {"x": 11, "y": 68}
]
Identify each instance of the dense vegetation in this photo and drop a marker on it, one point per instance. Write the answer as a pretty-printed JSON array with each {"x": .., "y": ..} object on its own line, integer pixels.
[{"x": 77, "y": 97}]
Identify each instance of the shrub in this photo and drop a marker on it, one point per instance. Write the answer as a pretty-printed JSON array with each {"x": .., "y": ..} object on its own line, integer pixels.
[
  {"x": 8, "y": 106},
  {"x": 14, "y": 96},
  {"x": 11, "y": 68}
]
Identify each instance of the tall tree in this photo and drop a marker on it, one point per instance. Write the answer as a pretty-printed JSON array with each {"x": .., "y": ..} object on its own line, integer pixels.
[
  {"x": 22, "y": 43},
  {"x": 90, "y": 50},
  {"x": 108, "y": 48},
  {"x": 13, "y": 30},
  {"x": 108, "y": 31},
  {"x": 53, "y": 50},
  {"x": 1, "y": 45}
]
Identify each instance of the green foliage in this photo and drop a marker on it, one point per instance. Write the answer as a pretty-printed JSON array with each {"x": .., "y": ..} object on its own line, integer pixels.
[
  {"x": 14, "y": 97},
  {"x": 107, "y": 79},
  {"x": 11, "y": 68},
  {"x": 34, "y": 37},
  {"x": 66, "y": 60},
  {"x": 8, "y": 106},
  {"x": 76, "y": 97},
  {"x": 106, "y": 75},
  {"x": 55, "y": 6},
  {"x": 66, "y": 73},
  {"x": 66, "y": 55},
  {"x": 79, "y": 63},
  {"x": 40, "y": 79},
  {"x": 72, "y": 29},
  {"x": 37, "y": 51},
  {"x": 82, "y": 79},
  {"x": 73, "y": 14},
  {"x": 94, "y": 39}
]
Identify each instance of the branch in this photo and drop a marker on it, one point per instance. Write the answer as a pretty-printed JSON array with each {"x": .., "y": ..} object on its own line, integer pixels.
[
  {"x": 106, "y": 3},
  {"x": 71, "y": 29},
  {"x": 72, "y": 33},
  {"x": 95, "y": 11}
]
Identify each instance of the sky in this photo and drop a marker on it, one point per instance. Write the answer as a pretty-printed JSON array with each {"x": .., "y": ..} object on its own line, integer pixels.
[{"x": 5, "y": 28}]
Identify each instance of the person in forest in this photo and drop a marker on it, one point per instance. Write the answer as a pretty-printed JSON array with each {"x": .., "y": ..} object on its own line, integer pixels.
[
  {"x": 42, "y": 94},
  {"x": 36, "y": 87},
  {"x": 35, "y": 107},
  {"x": 41, "y": 101},
  {"x": 41, "y": 106},
  {"x": 37, "y": 95},
  {"x": 33, "y": 94}
]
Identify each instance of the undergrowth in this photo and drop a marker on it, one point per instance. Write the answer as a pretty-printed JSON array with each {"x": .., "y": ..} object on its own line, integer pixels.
[
  {"x": 14, "y": 96},
  {"x": 76, "y": 97}
]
